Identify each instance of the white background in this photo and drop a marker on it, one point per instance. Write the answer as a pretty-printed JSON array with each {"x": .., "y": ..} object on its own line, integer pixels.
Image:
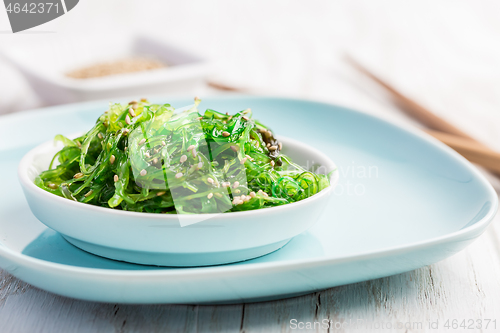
[{"x": 446, "y": 54}]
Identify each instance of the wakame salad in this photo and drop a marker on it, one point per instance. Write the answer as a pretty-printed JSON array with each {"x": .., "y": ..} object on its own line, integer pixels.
[{"x": 145, "y": 157}]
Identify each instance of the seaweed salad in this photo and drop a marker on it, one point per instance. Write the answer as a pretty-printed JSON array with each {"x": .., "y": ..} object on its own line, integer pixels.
[{"x": 145, "y": 157}]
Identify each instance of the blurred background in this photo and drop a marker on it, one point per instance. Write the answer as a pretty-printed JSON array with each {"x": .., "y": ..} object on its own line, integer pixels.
[{"x": 445, "y": 54}]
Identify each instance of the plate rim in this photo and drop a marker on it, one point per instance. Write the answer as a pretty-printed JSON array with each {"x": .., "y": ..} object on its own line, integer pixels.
[{"x": 473, "y": 230}]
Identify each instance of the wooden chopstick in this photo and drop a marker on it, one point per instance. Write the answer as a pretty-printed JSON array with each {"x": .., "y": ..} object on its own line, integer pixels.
[
  {"x": 411, "y": 107},
  {"x": 445, "y": 132},
  {"x": 471, "y": 150},
  {"x": 221, "y": 86},
  {"x": 460, "y": 141}
]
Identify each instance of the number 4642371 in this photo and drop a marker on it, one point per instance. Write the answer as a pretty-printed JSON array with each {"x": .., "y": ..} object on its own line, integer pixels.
[
  {"x": 471, "y": 324},
  {"x": 33, "y": 8}
]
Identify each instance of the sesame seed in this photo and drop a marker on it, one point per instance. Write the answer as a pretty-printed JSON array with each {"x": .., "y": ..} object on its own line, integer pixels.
[
  {"x": 112, "y": 159},
  {"x": 132, "y": 102},
  {"x": 257, "y": 144},
  {"x": 265, "y": 194},
  {"x": 227, "y": 113},
  {"x": 163, "y": 143},
  {"x": 243, "y": 160},
  {"x": 160, "y": 193},
  {"x": 52, "y": 186},
  {"x": 226, "y": 184},
  {"x": 125, "y": 149},
  {"x": 143, "y": 172},
  {"x": 199, "y": 118},
  {"x": 99, "y": 135},
  {"x": 142, "y": 142},
  {"x": 183, "y": 158},
  {"x": 218, "y": 195},
  {"x": 88, "y": 193},
  {"x": 237, "y": 201},
  {"x": 273, "y": 148},
  {"x": 197, "y": 99},
  {"x": 235, "y": 149},
  {"x": 272, "y": 163},
  {"x": 147, "y": 154},
  {"x": 127, "y": 119},
  {"x": 131, "y": 112},
  {"x": 115, "y": 178},
  {"x": 268, "y": 145},
  {"x": 230, "y": 117},
  {"x": 243, "y": 197},
  {"x": 193, "y": 152},
  {"x": 280, "y": 145},
  {"x": 191, "y": 147},
  {"x": 200, "y": 165},
  {"x": 178, "y": 175},
  {"x": 155, "y": 160},
  {"x": 210, "y": 195},
  {"x": 252, "y": 194},
  {"x": 245, "y": 118},
  {"x": 210, "y": 180},
  {"x": 106, "y": 111},
  {"x": 125, "y": 131},
  {"x": 144, "y": 100},
  {"x": 225, "y": 134},
  {"x": 248, "y": 198},
  {"x": 236, "y": 184},
  {"x": 247, "y": 111},
  {"x": 78, "y": 175},
  {"x": 237, "y": 191},
  {"x": 263, "y": 130}
]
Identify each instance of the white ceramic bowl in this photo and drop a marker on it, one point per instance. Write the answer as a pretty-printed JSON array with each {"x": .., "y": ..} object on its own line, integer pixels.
[
  {"x": 45, "y": 72},
  {"x": 159, "y": 239}
]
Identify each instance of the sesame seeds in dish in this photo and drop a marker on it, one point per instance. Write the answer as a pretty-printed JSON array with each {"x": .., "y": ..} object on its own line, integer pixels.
[{"x": 146, "y": 157}]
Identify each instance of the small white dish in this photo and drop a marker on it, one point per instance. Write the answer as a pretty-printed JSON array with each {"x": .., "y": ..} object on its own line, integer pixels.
[
  {"x": 176, "y": 240},
  {"x": 46, "y": 72}
]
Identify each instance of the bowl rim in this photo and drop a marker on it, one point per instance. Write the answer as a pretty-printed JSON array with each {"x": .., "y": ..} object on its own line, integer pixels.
[
  {"x": 29, "y": 185},
  {"x": 198, "y": 66}
]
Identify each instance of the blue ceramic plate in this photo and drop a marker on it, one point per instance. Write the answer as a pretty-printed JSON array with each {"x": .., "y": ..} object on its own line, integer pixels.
[{"x": 403, "y": 201}]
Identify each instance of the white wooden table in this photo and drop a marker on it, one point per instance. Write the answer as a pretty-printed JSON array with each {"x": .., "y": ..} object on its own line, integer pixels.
[{"x": 444, "y": 54}]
